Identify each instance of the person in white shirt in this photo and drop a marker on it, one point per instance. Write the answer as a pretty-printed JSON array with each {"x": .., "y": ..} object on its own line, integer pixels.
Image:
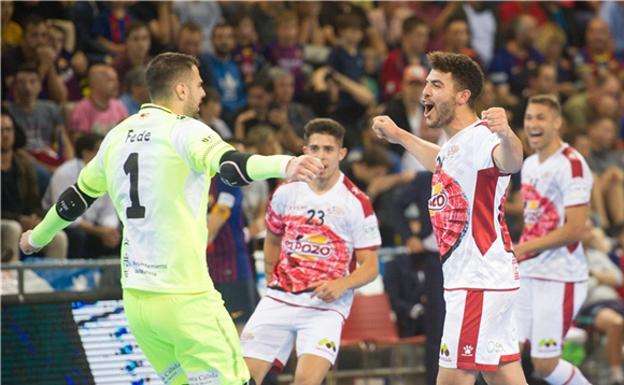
[
  {"x": 317, "y": 231},
  {"x": 96, "y": 232},
  {"x": 471, "y": 175},
  {"x": 556, "y": 189}
]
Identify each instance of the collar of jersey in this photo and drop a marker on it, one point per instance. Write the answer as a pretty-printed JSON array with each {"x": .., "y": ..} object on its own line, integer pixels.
[{"x": 152, "y": 105}]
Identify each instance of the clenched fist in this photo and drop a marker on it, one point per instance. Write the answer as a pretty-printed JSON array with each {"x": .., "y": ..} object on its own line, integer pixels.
[
  {"x": 304, "y": 168},
  {"x": 496, "y": 118},
  {"x": 385, "y": 128}
]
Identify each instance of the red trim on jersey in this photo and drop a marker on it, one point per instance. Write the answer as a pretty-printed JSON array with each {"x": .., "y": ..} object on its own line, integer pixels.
[
  {"x": 575, "y": 162},
  {"x": 503, "y": 226},
  {"x": 551, "y": 280},
  {"x": 367, "y": 207},
  {"x": 571, "y": 376},
  {"x": 568, "y": 306},
  {"x": 278, "y": 366},
  {"x": 571, "y": 247},
  {"x": 469, "y": 335},
  {"x": 483, "y": 229},
  {"x": 307, "y": 307},
  {"x": 481, "y": 289}
]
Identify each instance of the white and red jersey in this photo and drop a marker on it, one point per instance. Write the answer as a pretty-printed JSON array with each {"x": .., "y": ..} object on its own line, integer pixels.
[
  {"x": 467, "y": 213},
  {"x": 548, "y": 188},
  {"x": 320, "y": 234}
]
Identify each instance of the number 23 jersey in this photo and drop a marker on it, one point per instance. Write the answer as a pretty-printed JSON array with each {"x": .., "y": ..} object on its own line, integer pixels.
[{"x": 320, "y": 234}]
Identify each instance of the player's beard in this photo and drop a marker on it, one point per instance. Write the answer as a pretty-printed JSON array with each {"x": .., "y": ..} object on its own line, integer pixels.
[{"x": 444, "y": 111}]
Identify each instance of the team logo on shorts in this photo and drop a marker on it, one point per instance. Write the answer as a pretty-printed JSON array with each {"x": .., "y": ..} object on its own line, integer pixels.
[
  {"x": 444, "y": 350},
  {"x": 546, "y": 344},
  {"x": 467, "y": 350},
  {"x": 331, "y": 345}
]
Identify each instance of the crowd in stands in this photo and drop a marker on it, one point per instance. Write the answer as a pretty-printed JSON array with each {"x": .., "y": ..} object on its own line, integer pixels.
[{"x": 72, "y": 70}]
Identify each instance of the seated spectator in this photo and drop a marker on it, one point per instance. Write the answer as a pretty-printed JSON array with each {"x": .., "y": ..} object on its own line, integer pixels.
[
  {"x": 607, "y": 163},
  {"x": 286, "y": 52},
  {"x": 262, "y": 111},
  {"x": 161, "y": 21},
  {"x": 189, "y": 42},
  {"x": 69, "y": 65},
  {"x": 101, "y": 110},
  {"x": 551, "y": 42},
  {"x": 457, "y": 38},
  {"x": 110, "y": 26},
  {"x": 96, "y": 232},
  {"x": 310, "y": 30},
  {"x": 11, "y": 30},
  {"x": 511, "y": 63},
  {"x": 483, "y": 25},
  {"x": 603, "y": 309},
  {"x": 598, "y": 55},
  {"x": 613, "y": 13},
  {"x": 136, "y": 49},
  {"x": 388, "y": 18},
  {"x": 205, "y": 14},
  {"x": 210, "y": 110},
  {"x": 41, "y": 120},
  {"x": 21, "y": 201},
  {"x": 34, "y": 50},
  {"x": 414, "y": 40},
  {"x": 248, "y": 53},
  {"x": 136, "y": 93},
  {"x": 226, "y": 76},
  {"x": 284, "y": 92},
  {"x": 541, "y": 80},
  {"x": 579, "y": 109}
]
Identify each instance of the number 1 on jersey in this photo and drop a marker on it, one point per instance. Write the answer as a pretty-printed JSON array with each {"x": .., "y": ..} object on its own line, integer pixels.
[{"x": 131, "y": 166}]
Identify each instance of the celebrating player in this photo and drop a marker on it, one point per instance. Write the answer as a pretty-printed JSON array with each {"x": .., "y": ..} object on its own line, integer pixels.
[
  {"x": 315, "y": 228},
  {"x": 156, "y": 166},
  {"x": 471, "y": 174},
  {"x": 556, "y": 189}
]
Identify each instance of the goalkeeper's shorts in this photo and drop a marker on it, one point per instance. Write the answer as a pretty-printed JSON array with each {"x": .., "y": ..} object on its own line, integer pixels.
[{"x": 188, "y": 338}]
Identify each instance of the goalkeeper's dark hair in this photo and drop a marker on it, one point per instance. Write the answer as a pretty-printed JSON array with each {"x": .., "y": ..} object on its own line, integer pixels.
[{"x": 166, "y": 69}]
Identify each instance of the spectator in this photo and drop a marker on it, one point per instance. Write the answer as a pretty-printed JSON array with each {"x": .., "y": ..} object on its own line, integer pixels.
[
  {"x": 11, "y": 31},
  {"x": 189, "y": 42},
  {"x": 161, "y": 20},
  {"x": 608, "y": 164},
  {"x": 414, "y": 41},
  {"x": 35, "y": 50},
  {"x": 310, "y": 31},
  {"x": 598, "y": 54},
  {"x": 578, "y": 109},
  {"x": 613, "y": 13},
  {"x": 110, "y": 26},
  {"x": 287, "y": 52},
  {"x": 21, "y": 201},
  {"x": 101, "y": 110},
  {"x": 227, "y": 255},
  {"x": 551, "y": 41},
  {"x": 457, "y": 38},
  {"x": 226, "y": 76},
  {"x": 136, "y": 50},
  {"x": 210, "y": 110},
  {"x": 248, "y": 53},
  {"x": 512, "y": 62},
  {"x": 136, "y": 93},
  {"x": 69, "y": 65},
  {"x": 541, "y": 80},
  {"x": 603, "y": 309},
  {"x": 483, "y": 26},
  {"x": 41, "y": 120},
  {"x": 96, "y": 232},
  {"x": 388, "y": 18},
  {"x": 284, "y": 89},
  {"x": 205, "y": 14},
  {"x": 83, "y": 15}
]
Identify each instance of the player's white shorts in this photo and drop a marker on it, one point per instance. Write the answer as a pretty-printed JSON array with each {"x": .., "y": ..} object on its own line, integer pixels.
[
  {"x": 275, "y": 326},
  {"x": 479, "y": 330},
  {"x": 544, "y": 312}
]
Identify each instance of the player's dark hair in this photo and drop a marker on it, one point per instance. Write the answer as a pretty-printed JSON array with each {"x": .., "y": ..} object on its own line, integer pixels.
[
  {"x": 548, "y": 100},
  {"x": 324, "y": 126},
  {"x": 163, "y": 70},
  {"x": 465, "y": 72}
]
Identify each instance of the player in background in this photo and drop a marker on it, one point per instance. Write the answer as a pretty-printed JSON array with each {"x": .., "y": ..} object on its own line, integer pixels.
[
  {"x": 317, "y": 231},
  {"x": 556, "y": 190},
  {"x": 471, "y": 174},
  {"x": 156, "y": 167}
]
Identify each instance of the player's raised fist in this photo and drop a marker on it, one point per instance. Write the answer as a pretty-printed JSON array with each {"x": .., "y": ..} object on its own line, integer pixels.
[
  {"x": 304, "y": 168},
  {"x": 385, "y": 128},
  {"x": 25, "y": 245},
  {"x": 496, "y": 118}
]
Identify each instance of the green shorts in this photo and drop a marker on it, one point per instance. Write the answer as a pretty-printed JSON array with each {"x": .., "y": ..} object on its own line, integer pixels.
[{"x": 188, "y": 338}]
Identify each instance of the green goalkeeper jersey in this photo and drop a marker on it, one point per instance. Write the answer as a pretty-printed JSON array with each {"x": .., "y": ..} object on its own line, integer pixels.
[{"x": 156, "y": 167}]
